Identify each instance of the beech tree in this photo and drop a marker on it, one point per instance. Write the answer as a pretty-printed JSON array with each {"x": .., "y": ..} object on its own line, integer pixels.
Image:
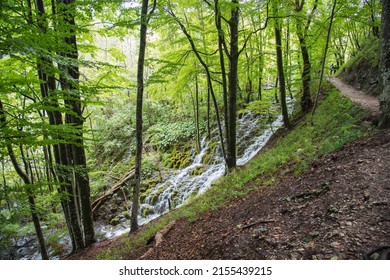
[
  {"x": 144, "y": 20},
  {"x": 280, "y": 65},
  {"x": 302, "y": 29},
  {"x": 384, "y": 98}
]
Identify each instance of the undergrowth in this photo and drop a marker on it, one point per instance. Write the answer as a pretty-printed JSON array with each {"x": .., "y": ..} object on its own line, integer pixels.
[{"x": 337, "y": 121}]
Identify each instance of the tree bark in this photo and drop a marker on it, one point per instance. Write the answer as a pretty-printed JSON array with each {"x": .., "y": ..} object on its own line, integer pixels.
[
  {"x": 221, "y": 42},
  {"x": 140, "y": 92},
  {"x": 306, "y": 101},
  {"x": 231, "y": 155},
  {"x": 61, "y": 150},
  {"x": 384, "y": 99},
  {"x": 279, "y": 62}
]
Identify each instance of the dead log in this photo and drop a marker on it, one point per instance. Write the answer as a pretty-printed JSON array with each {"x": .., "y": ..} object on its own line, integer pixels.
[
  {"x": 159, "y": 237},
  {"x": 108, "y": 194}
]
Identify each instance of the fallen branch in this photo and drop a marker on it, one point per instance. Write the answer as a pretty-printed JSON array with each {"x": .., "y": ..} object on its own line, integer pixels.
[
  {"x": 108, "y": 194},
  {"x": 257, "y": 222},
  {"x": 308, "y": 195},
  {"x": 159, "y": 237}
]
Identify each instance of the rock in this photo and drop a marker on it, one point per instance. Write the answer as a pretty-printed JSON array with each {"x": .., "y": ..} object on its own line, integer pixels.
[
  {"x": 335, "y": 244},
  {"x": 114, "y": 221}
]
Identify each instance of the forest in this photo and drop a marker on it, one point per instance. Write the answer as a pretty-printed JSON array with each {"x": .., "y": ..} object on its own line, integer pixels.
[{"x": 113, "y": 113}]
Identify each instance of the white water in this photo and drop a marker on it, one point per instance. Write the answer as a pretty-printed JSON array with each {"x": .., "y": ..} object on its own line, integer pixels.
[{"x": 180, "y": 185}]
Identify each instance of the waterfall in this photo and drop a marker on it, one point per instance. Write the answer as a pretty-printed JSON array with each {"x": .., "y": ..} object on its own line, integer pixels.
[{"x": 182, "y": 184}]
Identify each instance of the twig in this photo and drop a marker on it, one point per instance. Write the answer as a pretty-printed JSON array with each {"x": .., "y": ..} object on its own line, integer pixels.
[{"x": 258, "y": 222}]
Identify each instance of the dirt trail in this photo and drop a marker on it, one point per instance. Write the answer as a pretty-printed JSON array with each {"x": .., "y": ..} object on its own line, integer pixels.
[{"x": 366, "y": 101}]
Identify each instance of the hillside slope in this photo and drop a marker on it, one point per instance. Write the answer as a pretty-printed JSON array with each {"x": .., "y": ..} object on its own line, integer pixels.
[
  {"x": 362, "y": 70},
  {"x": 337, "y": 209}
]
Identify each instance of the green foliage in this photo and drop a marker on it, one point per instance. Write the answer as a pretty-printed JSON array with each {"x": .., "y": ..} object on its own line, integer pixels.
[
  {"x": 164, "y": 136},
  {"x": 258, "y": 107},
  {"x": 368, "y": 53}
]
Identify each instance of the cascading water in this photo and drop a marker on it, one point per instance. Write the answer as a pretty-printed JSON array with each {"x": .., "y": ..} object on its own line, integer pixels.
[{"x": 180, "y": 185}]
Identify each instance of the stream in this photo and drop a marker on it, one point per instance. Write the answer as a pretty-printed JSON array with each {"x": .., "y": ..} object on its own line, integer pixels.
[{"x": 181, "y": 185}]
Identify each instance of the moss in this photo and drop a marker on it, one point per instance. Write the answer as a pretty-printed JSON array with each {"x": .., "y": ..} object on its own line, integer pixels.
[
  {"x": 156, "y": 195},
  {"x": 146, "y": 212},
  {"x": 208, "y": 157},
  {"x": 114, "y": 221},
  {"x": 126, "y": 214},
  {"x": 147, "y": 186},
  {"x": 177, "y": 159},
  {"x": 198, "y": 170}
]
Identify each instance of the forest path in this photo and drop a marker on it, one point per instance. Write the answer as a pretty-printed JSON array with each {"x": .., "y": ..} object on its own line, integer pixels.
[{"x": 366, "y": 101}]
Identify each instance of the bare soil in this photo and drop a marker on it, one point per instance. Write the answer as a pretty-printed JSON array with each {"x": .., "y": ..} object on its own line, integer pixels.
[{"x": 338, "y": 209}]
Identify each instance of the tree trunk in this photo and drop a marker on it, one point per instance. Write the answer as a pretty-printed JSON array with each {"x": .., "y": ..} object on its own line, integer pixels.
[
  {"x": 197, "y": 112},
  {"x": 140, "y": 93},
  {"x": 279, "y": 61},
  {"x": 302, "y": 30},
  {"x": 61, "y": 150},
  {"x": 28, "y": 185},
  {"x": 208, "y": 74},
  {"x": 233, "y": 85},
  {"x": 306, "y": 101},
  {"x": 384, "y": 99},
  {"x": 324, "y": 59},
  {"x": 221, "y": 41}
]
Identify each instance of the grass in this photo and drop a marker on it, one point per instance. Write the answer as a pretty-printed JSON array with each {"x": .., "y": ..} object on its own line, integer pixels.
[{"x": 337, "y": 121}]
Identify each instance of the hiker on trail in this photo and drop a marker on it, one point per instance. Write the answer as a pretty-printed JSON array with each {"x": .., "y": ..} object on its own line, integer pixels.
[{"x": 332, "y": 69}]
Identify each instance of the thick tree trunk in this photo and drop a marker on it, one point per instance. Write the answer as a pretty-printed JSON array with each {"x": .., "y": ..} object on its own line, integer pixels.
[
  {"x": 62, "y": 153},
  {"x": 221, "y": 41},
  {"x": 231, "y": 155},
  {"x": 384, "y": 99},
  {"x": 85, "y": 235},
  {"x": 306, "y": 101}
]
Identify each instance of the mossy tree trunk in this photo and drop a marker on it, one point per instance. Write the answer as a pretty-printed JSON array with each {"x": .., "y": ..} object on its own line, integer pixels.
[{"x": 384, "y": 121}]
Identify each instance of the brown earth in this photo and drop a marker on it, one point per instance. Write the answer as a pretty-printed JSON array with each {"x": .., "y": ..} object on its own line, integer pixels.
[{"x": 338, "y": 209}]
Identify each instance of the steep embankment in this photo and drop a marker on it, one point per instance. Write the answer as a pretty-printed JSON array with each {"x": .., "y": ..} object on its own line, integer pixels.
[
  {"x": 337, "y": 208},
  {"x": 362, "y": 70}
]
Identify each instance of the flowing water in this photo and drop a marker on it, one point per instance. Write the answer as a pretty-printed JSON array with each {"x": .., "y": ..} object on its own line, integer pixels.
[
  {"x": 180, "y": 185},
  {"x": 198, "y": 177}
]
